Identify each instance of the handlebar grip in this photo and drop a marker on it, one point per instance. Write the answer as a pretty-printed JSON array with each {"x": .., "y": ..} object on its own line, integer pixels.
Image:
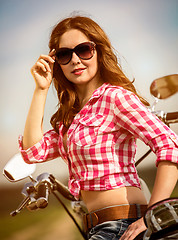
[
  {"x": 42, "y": 196},
  {"x": 62, "y": 189},
  {"x": 172, "y": 116}
]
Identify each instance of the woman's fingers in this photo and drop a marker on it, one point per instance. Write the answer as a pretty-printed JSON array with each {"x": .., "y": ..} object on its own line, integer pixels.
[
  {"x": 40, "y": 66},
  {"x": 47, "y": 58},
  {"x": 44, "y": 65},
  {"x": 52, "y": 53},
  {"x": 50, "y": 58},
  {"x": 134, "y": 230}
]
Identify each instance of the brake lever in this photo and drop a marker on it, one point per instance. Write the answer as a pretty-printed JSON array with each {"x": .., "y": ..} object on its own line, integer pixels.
[{"x": 23, "y": 204}]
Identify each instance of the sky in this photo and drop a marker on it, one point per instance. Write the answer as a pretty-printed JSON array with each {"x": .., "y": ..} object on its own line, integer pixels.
[{"x": 145, "y": 33}]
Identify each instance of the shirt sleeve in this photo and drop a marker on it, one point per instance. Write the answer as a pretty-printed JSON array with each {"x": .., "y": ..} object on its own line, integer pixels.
[
  {"x": 134, "y": 117},
  {"x": 44, "y": 150}
]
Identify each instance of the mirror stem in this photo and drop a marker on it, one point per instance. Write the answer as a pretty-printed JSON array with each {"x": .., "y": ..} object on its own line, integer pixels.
[
  {"x": 154, "y": 104},
  {"x": 32, "y": 179}
]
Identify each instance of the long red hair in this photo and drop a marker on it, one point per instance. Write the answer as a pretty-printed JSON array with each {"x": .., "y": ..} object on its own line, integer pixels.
[{"x": 109, "y": 69}]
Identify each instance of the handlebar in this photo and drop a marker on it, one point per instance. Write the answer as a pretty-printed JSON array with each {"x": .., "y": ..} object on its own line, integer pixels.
[
  {"x": 37, "y": 193},
  {"x": 167, "y": 118},
  {"x": 172, "y": 116}
]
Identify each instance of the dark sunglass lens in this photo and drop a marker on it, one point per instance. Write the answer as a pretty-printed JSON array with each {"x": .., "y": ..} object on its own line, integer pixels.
[
  {"x": 63, "y": 56},
  {"x": 84, "y": 51}
]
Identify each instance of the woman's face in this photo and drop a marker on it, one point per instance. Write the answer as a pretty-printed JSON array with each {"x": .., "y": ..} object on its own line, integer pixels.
[{"x": 78, "y": 71}]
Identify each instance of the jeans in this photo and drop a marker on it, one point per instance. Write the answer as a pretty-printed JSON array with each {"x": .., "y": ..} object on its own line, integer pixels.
[{"x": 111, "y": 230}]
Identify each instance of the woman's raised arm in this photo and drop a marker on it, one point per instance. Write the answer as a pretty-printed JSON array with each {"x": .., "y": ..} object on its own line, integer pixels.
[{"x": 42, "y": 72}]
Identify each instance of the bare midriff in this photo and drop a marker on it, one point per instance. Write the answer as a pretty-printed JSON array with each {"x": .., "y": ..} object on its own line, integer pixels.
[{"x": 95, "y": 200}]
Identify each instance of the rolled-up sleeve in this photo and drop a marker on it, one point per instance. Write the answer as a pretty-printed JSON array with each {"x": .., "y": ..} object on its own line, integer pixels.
[
  {"x": 133, "y": 116},
  {"x": 44, "y": 150}
]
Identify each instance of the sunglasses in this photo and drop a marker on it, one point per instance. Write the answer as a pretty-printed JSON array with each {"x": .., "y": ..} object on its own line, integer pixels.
[{"x": 84, "y": 51}]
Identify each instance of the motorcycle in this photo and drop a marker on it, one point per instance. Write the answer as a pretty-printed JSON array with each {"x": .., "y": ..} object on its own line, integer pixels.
[{"x": 161, "y": 218}]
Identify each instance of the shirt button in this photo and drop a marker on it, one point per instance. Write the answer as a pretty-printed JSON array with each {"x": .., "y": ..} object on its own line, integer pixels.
[{"x": 173, "y": 137}]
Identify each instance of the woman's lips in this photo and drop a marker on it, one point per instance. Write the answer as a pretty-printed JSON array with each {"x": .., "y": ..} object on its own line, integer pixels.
[{"x": 78, "y": 71}]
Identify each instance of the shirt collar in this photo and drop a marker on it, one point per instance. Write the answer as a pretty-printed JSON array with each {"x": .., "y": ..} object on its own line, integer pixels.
[{"x": 99, "y": 91}]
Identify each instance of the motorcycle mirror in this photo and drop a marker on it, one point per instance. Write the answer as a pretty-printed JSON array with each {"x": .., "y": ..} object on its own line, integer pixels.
[
  {"x": 16, "y": 169},
  {"x": 164, "y": 87}
]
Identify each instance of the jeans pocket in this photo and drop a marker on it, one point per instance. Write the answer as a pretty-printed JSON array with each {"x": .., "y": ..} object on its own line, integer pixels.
[
  {"x": 123, "y": 228},
  {"x": 124, "y": 225}
]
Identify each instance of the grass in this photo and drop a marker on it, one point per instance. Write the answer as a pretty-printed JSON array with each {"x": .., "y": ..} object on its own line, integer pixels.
[{"x": 10, "y": 225}]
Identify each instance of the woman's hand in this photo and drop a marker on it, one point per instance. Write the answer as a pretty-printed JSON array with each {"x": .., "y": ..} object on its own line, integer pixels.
[
  {"x": 42, "y": 70},
  {"x": 134, "y": 230}
]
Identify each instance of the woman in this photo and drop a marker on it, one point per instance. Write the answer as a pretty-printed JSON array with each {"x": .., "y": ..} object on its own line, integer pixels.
[{"x": 98, "y": 119}]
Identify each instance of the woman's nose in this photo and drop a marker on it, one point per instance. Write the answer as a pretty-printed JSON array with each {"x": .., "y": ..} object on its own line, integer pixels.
[{"x": 75, "y": 59}]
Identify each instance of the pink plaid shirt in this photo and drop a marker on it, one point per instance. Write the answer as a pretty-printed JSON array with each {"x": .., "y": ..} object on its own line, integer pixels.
[{"x": 101, "y": 141}]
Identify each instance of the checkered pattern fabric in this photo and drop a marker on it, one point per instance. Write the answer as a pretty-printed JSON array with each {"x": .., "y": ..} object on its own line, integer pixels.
[{"x": 101, "y": 141}]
